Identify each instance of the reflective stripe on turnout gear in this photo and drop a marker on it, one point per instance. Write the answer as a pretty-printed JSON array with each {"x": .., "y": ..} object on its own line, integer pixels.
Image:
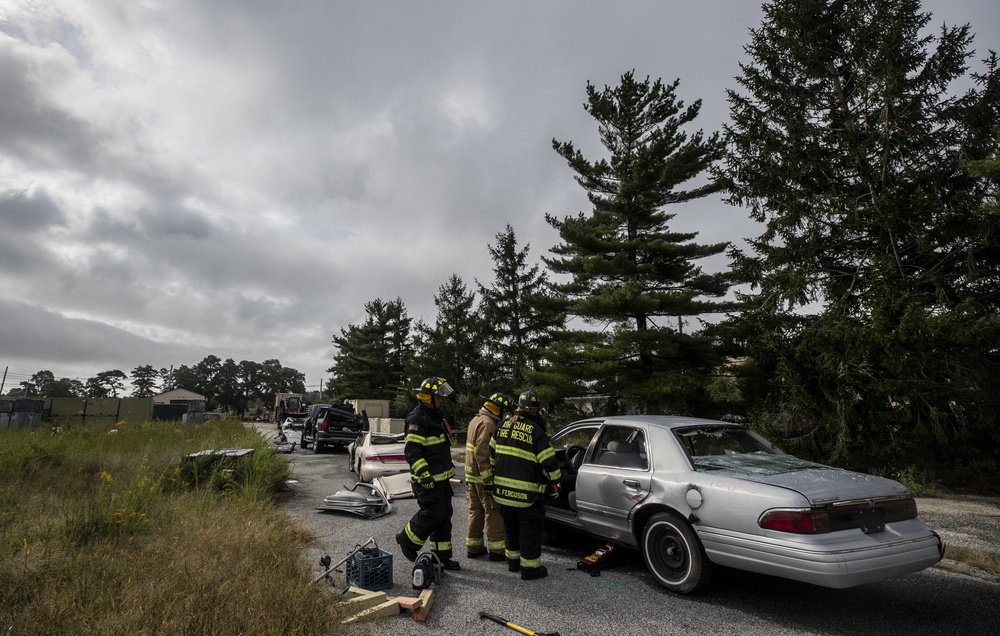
[
  {"x": 524, "y": 463},
  {"x": 427, "y": 447}
]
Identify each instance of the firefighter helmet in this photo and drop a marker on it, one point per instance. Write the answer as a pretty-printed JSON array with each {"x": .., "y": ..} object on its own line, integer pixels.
[
  {"x": 529, "y": 401},
  {"x": 435, "y": 386},
  {"x": 499, "y": 400}
]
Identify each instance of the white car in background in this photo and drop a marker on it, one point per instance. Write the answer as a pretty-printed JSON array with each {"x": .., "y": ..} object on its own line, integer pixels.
[{"x": 377, "y": 455}]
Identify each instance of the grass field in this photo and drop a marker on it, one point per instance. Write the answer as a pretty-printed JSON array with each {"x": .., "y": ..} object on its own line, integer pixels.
[{"x": 114, "y": 530}]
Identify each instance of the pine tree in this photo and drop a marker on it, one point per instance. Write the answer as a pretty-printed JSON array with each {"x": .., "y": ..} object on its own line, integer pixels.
[
  {"x": 871, "y": 324},
  {"x": 144, "y": 381},
  {"x": 632, "y": 279},
  {"x": 518, "y": 322},
  {"x": 372, "y": 358},
  {"x": 452, "y": 348},
  {"x": 106, "y": 384}
]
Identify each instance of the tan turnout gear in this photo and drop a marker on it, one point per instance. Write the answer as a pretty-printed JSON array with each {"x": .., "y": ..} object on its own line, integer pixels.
[{"x": 485, "y": 525}]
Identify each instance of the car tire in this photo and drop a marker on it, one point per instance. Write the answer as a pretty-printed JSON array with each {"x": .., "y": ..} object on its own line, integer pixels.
[
  {"x": 317, "y": 448},
  {"x": 674, "y": 555},
  {"x": 303, "y": 444}
]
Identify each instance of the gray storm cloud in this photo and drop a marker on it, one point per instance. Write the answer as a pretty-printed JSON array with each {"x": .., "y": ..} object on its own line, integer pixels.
[{"x": 182, "y": 178}]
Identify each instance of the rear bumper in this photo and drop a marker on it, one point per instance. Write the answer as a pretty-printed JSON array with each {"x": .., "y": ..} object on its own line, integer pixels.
[
  {"x": 828, "y": 560},
  {"x": 373, "y": 470},
  {"x": 340, "y": 438}
]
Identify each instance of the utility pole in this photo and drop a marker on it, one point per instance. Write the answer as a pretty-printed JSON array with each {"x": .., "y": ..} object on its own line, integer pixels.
[{"x": 4, "y": 381}]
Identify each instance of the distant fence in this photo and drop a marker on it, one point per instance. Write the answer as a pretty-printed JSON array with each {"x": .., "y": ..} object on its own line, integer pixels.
[
  {"x": 20, "y": 413},
  {"x": 27, "y": 413}
]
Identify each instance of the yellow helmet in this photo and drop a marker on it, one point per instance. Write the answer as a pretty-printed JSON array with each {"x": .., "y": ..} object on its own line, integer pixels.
[
  {"x": 498, "y": 403},
  {"x": 529, "y": 401},
  {"x": 435, "y": 386}
]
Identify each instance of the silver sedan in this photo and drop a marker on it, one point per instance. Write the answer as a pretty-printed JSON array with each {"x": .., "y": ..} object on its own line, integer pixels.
[{"x": 693, "y": 493}]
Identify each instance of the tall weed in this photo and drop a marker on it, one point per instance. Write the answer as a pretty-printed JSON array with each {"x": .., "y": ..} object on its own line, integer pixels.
[{"x": 115, "y": 530}]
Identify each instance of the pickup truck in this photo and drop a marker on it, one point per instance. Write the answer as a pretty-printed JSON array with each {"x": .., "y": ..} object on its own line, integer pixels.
[{"x": 333, "y": 425}]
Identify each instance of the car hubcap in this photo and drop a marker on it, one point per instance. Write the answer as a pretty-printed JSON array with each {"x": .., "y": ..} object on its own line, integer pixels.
[{"x": 670, "y": 553}]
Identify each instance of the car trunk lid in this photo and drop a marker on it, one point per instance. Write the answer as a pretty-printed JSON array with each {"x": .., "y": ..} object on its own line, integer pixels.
[{"x": 819, "y": 484}]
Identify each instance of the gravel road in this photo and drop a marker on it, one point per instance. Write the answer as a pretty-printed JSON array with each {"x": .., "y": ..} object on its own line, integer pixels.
[{"x": 624, "y": 601}]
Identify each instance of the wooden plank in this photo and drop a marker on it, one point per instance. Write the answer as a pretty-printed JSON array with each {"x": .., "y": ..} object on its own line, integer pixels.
[
  {"x": 357, "y": 591},
  {"x": 364, "y": 601},
  {"x": 387, "y": 608},
  {"x": 409, "y": 602},
  {"x": 426, "y": 600}
]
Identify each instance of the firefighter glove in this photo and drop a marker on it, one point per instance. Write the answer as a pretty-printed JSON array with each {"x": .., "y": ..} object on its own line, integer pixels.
[
  {"x": 426, "y": 482},
  {"x": 553, "y": 490}
]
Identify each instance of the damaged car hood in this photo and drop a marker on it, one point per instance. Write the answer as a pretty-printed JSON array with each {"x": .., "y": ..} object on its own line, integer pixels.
[{"x": 817, "y": 483}]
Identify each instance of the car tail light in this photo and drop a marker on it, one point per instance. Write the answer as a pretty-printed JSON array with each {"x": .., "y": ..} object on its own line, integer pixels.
[
  {"x": 899, "y": 510},
  {"x": 798, "y": 521},
  {"x": 868, "y": 516},
  {"x": 394, "y": 457},
  {"x": 325, "y": 425}
]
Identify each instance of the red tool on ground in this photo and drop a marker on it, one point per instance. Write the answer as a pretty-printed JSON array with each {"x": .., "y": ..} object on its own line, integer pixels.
[
  {"x": 516, "y": 628},
  {"x": 603, "y": 559}
]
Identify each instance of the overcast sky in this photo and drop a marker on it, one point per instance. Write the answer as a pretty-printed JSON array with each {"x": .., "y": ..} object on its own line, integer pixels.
[{"x": 239, "y": 177}]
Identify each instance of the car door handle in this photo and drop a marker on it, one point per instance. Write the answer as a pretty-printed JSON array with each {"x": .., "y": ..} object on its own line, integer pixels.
[{"x": 631, "y": 483}]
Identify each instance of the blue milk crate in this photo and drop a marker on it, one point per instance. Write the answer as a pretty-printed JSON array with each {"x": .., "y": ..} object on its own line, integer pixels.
[{"x": 370, "y": 569}]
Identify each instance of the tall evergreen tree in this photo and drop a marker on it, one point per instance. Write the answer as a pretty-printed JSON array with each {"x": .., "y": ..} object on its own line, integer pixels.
[
  {"x": 185, "y": 377},
  {"x": 144, "y": 381},
  {"x": 871, "y": 327},
  {"x": 372, "y": 357},
  {"x": 95, "y": 389},
  {"x": 633, "y": 280},
  {"x": 452, "y": 348},
  {"x": 106, "y": 384},
  {"x": 518, "y": 323}
]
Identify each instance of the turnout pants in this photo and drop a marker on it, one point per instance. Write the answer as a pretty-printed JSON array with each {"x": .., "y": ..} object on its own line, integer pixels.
[
  {"x": 523, "y": 527},
  {"x": 432, "y": 521},
  {"x": 483, "y": 513}
]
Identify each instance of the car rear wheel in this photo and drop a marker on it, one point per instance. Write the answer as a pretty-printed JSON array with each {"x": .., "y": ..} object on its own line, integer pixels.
[
  {"x": 674, "y": 555},
  {"x": 317, "y": 448}
]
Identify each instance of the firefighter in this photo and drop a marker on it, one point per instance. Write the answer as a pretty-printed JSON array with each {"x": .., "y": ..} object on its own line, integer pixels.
[
  {"x": 524, "y": 470},
  {"x": 483, "y": 511},
  {"x": 428, "y": 451}
]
